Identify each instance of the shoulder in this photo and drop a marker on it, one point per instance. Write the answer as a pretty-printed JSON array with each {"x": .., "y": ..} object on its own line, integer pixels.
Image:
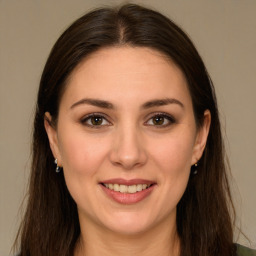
[{"x": 244, "y": 251}]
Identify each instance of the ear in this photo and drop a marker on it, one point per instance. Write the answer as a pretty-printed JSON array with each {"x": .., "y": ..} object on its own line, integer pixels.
[
  {"x": 201, "y": 138},
  {"x": 52, "y": 137}
]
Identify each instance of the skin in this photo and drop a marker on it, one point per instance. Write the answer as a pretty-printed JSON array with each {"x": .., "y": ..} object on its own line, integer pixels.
[{"x": 128, "y": 144}]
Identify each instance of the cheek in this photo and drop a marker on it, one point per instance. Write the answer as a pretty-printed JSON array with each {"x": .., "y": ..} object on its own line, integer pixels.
[
  {"x": 174, "y": 153},
  {"x": 82, "y": 158},
  {"x": 81, "y": 154},
  {"x": 175, "y": 169},
  {"x": 173, "y": 160}
]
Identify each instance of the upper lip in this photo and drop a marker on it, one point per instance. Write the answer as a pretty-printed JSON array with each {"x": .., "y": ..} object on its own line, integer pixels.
[{"x": 121, "y": 181}]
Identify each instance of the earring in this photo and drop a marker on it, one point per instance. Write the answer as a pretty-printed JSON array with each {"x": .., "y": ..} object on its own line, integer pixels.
[
  {"x": 57, "y": 167},
  {"x": 195, "y": 168}
]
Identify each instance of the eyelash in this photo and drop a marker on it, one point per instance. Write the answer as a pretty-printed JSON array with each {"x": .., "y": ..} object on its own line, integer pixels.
[
  {"x": 169, "y": 118},
  {"x": 98, "y": 115}
]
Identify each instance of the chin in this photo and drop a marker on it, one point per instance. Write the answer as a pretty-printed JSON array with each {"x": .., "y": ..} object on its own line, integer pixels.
[
  {"x": 129, "y": 224},
  {"x": 128, "y": 230}
]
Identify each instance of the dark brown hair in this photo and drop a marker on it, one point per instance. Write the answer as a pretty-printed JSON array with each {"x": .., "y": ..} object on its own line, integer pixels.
[{"x": 50, "y": 225}]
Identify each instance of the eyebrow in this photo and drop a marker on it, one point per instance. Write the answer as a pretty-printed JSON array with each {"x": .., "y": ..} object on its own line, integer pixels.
[
  {"x": 94, "y": 102},
  {"x": 146, "y": 105},
  {"x": 161, "y": 102}
]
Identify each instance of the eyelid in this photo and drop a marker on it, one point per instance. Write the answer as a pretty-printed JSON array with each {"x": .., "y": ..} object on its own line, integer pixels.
[
  {"x": 95, "y": 114},
  {"x": 170, "y": 118},
  {"x": 167, "y": 116}
]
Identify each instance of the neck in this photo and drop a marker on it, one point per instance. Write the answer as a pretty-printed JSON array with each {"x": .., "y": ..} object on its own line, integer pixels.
[{"x": 156, "y": 241}]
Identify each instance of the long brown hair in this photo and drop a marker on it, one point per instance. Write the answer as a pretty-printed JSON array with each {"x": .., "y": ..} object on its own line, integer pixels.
[{"x": 50, "y": 225}]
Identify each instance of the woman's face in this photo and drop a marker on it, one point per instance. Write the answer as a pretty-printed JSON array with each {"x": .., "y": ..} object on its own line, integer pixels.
[{"x": 126, "y": 138}]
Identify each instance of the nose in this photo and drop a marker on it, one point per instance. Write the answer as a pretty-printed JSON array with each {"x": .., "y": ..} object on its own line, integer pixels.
[{"x": 128, "y": 149}]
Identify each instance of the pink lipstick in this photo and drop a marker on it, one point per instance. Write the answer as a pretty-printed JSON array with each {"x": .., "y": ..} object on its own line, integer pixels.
[{"x": 127, "y": 191}]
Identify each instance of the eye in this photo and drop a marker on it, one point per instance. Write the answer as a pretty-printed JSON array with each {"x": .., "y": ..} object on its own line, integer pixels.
[
  {"x": 161, "y": 119},
  {"x": 95, "y": 120}
]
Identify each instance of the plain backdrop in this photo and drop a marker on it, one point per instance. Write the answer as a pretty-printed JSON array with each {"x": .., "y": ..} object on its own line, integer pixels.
[{"x": 224, "y": 33}]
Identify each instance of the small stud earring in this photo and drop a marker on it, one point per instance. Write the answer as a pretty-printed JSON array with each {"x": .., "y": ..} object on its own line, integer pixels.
[
  {"x": 57, "y": 167},
  {"x": 195, "y": 168}
]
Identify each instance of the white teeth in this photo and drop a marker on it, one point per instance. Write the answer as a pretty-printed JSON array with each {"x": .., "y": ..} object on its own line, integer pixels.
[
  {"x": 144, "y": 186},
  {"x": 116, "y": 187},
  {"x": 132, "y": 189},
  {"x": 123, "y": 188},
  {"x": 127, "y": 189},
  {"x": 140, "y": 186}
]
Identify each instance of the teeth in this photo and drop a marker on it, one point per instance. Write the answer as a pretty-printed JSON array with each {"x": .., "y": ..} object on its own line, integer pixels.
[
  {"x": 116, "y": 187},
  {"x": 140, "y": 186},
  {"x": 123, "y": 188},
  {"x": 132, "y": 189},
  {"x": 127, "y": 189}
]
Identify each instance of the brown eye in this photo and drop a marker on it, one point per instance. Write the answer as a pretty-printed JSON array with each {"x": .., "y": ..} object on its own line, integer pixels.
[
  {"x": 94, "y": 120},
  {"x": 161, "y": 120},
  {"x": 158, "y": 120}
]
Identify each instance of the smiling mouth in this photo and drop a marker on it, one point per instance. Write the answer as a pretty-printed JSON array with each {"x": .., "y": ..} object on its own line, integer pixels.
[
  {"x": 128, "y": 192},
  {"x": 129, "y": 189}
]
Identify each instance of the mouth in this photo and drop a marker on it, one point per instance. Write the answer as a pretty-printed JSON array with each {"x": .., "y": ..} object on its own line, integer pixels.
[{"x": 127, "y": 191}]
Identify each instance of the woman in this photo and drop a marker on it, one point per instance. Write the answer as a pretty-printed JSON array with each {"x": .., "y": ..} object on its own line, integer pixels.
[{"x": 128, "y": 157}]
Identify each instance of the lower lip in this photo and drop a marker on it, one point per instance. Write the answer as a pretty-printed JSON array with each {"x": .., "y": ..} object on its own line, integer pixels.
[{"x": 127, "y": 198}]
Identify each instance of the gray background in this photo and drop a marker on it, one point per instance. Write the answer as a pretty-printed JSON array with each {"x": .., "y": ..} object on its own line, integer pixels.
[{"x": 223, "y": 31}]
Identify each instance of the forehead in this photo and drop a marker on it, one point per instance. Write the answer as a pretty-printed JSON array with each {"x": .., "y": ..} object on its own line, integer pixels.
[{"x": 126, "y": 73}]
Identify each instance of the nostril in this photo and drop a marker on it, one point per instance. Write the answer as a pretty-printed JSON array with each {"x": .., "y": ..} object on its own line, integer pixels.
[
  {"x": 127, "y": 150},
  {"x": 128, "y": 161}
]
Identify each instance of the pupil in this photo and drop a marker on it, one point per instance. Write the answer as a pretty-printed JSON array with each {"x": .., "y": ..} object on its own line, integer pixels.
[
  {"x": 96, "y": 120},
  {"x": 158, "y": 120}
]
